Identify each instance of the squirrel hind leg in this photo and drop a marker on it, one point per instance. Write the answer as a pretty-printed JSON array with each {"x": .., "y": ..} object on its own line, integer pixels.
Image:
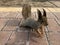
[{"x": 39, "y": 33}]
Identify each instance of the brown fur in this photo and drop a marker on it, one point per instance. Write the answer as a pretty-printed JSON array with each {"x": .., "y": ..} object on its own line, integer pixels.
[
  {"x": 26, "y": 11},
  {"x": 43, "y": 20}
]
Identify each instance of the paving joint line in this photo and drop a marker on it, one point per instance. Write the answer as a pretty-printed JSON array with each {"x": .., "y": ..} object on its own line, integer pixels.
[
  {"x": 46, "y": 33},
  {"x": 8, "y": 30},
  {"x": 57, "y": 21},
  {"x": 9, "y": 38},
  {"x": 56, "y": 18},
  {"x": 28, "y": 38},
  {"x": 20, "y": 21},
  {"x": 10, "y": 35},
  {"x": 4, "y": 26},
  {"x": 53, "y": 3},
  {"x": 28, "y": 35}
]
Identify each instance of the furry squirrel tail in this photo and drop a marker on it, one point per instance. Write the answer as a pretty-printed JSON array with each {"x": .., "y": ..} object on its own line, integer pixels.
[{"x": 26, "y": 11}]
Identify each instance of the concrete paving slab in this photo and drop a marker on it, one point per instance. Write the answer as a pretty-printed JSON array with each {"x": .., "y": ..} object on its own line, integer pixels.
[
  {"x": 56, "y": 12},
  {"x": 54, "y": 38},
  {"x": 2, "y": 23},
  {"x": 35, "y": 40},
  {"x": 57, "y": 3},
  {"x": 52, "y": 25},
  {"x": 49, "y": 14},
  {"x": 18, "y": 37},
  {"x": 12, "y": 25},
  {"x": 4, "y": 36}
]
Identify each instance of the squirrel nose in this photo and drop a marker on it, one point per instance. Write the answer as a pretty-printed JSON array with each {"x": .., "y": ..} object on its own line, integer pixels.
[{"x": 46, "y": 24}]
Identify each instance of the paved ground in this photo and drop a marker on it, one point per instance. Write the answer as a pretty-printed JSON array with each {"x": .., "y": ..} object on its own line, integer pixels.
[
  {"x": 34, "y": 3},
  {"x": 11, "y": 34}
]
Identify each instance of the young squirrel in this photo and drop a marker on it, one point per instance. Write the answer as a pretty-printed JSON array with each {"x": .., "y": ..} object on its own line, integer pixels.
[{"x": 33, "y": 24}]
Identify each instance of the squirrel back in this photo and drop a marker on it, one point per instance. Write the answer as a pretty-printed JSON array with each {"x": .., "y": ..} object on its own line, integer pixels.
[{"x": 29, "y": 22}]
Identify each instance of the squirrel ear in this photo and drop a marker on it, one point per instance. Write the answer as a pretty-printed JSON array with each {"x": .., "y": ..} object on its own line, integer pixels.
[
  {"x": 39, "y": 13},
  {"x": 44, "y": 12}
]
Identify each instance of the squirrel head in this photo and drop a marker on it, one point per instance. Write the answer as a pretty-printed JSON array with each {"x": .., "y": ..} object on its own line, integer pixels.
[{"x": 42, "y": 18}]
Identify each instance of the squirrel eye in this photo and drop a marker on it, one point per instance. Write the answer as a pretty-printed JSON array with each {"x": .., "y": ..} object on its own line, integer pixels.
[{"x": 42, "y": 21}]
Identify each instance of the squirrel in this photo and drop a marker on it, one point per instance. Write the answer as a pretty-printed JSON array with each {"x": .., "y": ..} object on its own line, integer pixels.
[{"x": 36, "y": 25}]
